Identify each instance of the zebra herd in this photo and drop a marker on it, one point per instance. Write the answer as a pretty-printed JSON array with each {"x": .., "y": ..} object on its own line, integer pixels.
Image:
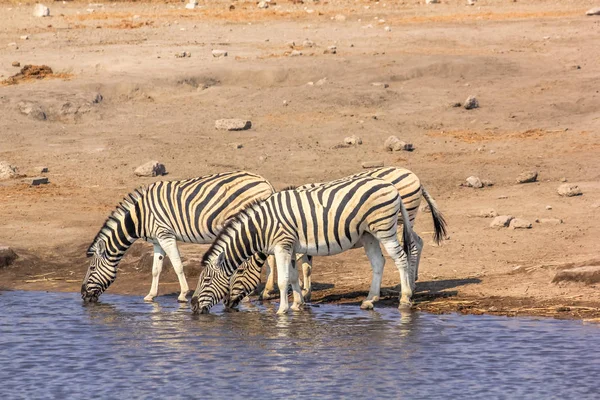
[{"x": 247, "y": 222}]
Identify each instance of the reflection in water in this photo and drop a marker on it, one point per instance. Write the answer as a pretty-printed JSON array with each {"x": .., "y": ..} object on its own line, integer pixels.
[{"x": 62, "y": 348}]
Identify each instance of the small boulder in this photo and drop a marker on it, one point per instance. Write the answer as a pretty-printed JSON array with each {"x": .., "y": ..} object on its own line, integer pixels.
[
  {"x": 518, "y": 223},
  {"x": 471, "y": 103},
  {"x": 151, "y": 168},
  {"x": 41, "y": 10},
  {"x": 549, "y": 221},
  {"x": 219, "y": 53},
  {"x": 32, "y": 110},
  {"x": 352, "y": 140},
  {"x": 569, "y": 190},
  {"x": 501, "y": 221},
  {"x": 8, "y": 171},
  {"x": 593, "y": 11},
  {"x": 36, "y": 181},
  {"x": 392, "y": 143},
  {"x": 588, "y": 274},
  {"x": 527, "y": 177},
  {"x": 372, "y": 164},
  {"x": 474, "y": 182},
  {"x": 7, "y": 256},
  {"x": 263, "y": 4},
  {"x": 488, "y": 213},
  {"x": 487, "y": 182},
  {"x": 16, "y": 64},
  {"x": 234, "y": 124}
]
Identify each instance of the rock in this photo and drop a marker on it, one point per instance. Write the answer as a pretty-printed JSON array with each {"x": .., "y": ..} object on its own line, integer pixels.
[
  {"x": 321, "y": 82},
  {"x": 387, "y": 29},
  {"x": 593, "y": 11},
  {"x": 380, "y": 84},
  {"x": 589, "y": 275},
  {"x": 352, "y": 140},
  {"x": 234, "y": 124},
  {"x": 432, "y": 1},
  {"x": 32, "y": 110},
  {"x": 219, "y": 53},
  {"x": 191, "y": 4},
  {"x": 183, "y": 54},
  {"x": 263, "y": 4},
  {"x": 340, "y": 17},
  {"x": 39, "y": 170},
  {"x": 549, "y": 221},
  {"x": 236, "y": 145},
  {"x": 489, "y": 213},
  {"x": 471, "y": 103},
  {"x": 372, "y": 164},
  {"x": 548, "y": 207},
  {"x": 16, "y": 64},
  {"x": 487, "y": 182},
  {"x": 151, "y": 168},
  {"x": 8, "y": 171},
  {"x": 470, "y": 2},
  {"x": 563, "y": 179},
  {"x": 527, "y": 177},
  {"x": 308, "y": 43},
  {"x": 392, "y": 143},
  {"x": 35, "y": 181},
  {"x": 24, "y": 37},
  {"x": 501, "y": 221},
  {"x": 96, "y": 98},
  {"x": 41, "y": 10},
  {"x": 285, "y": 103},
  {"x": 7, "y": 256},
  {"x": 291, "y": 44},
  {"x": 518, "y": 223},
  {"x": 330, "y": 50},
  {"x": 474, "y": 182},
  {"x": 295, "y": 53},
  {"x": 569, "y": 190}
]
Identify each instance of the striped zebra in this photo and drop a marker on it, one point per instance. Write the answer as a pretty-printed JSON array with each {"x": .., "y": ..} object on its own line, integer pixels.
[
  {"x": 409, "y": 188},
  {"x": 324, "y": 220},
  {"x": 191, "y": 211}
]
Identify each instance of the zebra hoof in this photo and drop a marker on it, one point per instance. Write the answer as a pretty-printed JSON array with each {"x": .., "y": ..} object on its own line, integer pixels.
[
  {"x": 298, "y": 307},
  {"x": 268, "y": 295},
  {"x": 149, "y": 298},
  {"x": 306, "y": 295},
  {"x": 367, "y": 305},
  {"x": 405, "y": 306},
  {"x": 182, "y": 300}
]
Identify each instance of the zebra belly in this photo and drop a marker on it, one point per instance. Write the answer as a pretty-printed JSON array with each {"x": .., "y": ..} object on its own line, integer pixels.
[{"x": 327, "y": 249}]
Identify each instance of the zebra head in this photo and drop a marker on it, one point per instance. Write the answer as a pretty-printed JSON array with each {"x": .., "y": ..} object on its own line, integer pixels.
[
  {"x": 100, "y": 274},
  {"x": 213, "y": 286}
]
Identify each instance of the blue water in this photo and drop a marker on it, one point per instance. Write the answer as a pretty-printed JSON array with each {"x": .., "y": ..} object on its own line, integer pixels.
[{"x": 53, "y": 346}]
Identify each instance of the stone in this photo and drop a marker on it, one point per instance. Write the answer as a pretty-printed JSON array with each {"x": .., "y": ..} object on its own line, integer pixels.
[
  {"x": 569, "y": 190},
  {"x": 352, "y": 140},
  {"x": 380, "y": 84},
  {"x": 501, "y": 221},
  {"x": 588, "y": 274},
  {"x": 432, "y": 1},
  {"x": 488, "y": 213},
  {"x": 263, "y": 4},
  {"x": 234, "y": 124},
  {"x": 548, "y": 207},
  {"x": 16, "y": 64},
  {"x": 518, "y": 223},
  {"x": 387, "y": 29},
  {"x": 308, "y": 43},
  {"x": 372, "y": 164},
  {"x": 487, "y": 182},
  {"x": 470, "y": 2},
  {"x": 321, "y": 82},
  {"x": 219, "y": 53},
  {"x": 593, "y": 11},
  {"x": 24, "y": 37},
  {"x": 392, "y": 143},
  {"x": 41, "y": 10},
  {"x": 474, "y": 182},
  {"x": 236, "y": 145},
  {"x": 191, "y": 4},
  {"x": 35, "y": 181},
  {"x": 183, "y": 54},
  {"x": 151, "y": 168},
  {"x": 96, "y": 98},
  {"x": 549, "y": 221},
  {"x": 471, "y": 103},
  {"x": 563, "y": 179},
  {"x": 295, "y": 53},
  {"x": 8, "y": 171},
  {"x": 7, "y": 256},
  {"x": 39, "y": 170},
  {"x": 340, "y": 17},
  {"x": 32, "y": 110},
  {"x": 330, "y": 50},
  {"x": 527, "y": 177}
]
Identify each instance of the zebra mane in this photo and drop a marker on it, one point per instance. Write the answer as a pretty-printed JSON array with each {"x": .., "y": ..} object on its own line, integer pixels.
[
  {"x": 290, "y": 187},
  {"x": 122, "y": 209},
  {"x": 229, "y": 226}
]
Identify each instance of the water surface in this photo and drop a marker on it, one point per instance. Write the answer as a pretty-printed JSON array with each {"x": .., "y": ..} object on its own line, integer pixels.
[{"x": 53, "y": 346}]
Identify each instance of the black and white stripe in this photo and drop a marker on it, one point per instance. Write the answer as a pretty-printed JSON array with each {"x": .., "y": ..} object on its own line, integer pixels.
[
  {"x": 323, "y": 220},
  {"x": 191, "y": 211}
]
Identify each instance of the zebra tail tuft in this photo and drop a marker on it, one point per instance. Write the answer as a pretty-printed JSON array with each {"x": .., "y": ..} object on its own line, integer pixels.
[
  {"x": 406, "y": 228},
  {"x": 439, "y": 222}
]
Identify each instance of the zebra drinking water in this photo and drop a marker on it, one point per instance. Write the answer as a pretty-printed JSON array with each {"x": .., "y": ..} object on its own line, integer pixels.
[
  {"x": 410, "y": 190},
  {"x": 325, "y": 220},
  {"x": 191, "y": 211}
]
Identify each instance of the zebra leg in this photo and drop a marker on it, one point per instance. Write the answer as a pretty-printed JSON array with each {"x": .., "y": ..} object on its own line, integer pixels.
[
  {"x": 306, "y": 262},
  {"x": 170, "y": 247},
  {"x": 296, "y": 289},
  {"x": 415, "y": 254},
  {"x": 373, "y": 251},
  {"x": 157, "y": 264},
  {"x": 269, "y": 291},
  {"x": 284, "y": 261},
  {"x": 394, "y": 249}
]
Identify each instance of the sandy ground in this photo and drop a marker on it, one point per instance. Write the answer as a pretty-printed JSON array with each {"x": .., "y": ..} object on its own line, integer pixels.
[{"x": 533, "y": 65}]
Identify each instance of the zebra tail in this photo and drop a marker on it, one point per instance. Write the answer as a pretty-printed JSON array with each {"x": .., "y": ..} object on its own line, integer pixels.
[
  {"x": 439, "y": 223},
  {"x": 406, "y": 228}
]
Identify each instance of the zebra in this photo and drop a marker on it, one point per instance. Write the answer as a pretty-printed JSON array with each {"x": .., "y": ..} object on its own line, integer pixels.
[
  {"x": 192, "y": 211},
  {"x": 410, "y": 189},
  {"x": 323, "y": 220}
]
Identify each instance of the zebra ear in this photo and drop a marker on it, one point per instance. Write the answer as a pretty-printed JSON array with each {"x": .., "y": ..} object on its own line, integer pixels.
[
  {"x": 220, "y": 260},
  {"x": 100, "y": 248}
]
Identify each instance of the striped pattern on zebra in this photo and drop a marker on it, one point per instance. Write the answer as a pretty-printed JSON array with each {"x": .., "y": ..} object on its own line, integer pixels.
[
  {"x": 410, "y": 189},
  {"x": 324, "y": 220},
  {"x": 191, "y": 211}
]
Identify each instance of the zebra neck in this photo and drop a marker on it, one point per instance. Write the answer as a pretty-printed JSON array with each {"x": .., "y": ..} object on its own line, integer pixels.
[{"x": 240, "y": 242}]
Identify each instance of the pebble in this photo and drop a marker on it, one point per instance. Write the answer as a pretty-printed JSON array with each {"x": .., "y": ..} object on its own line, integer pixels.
[
  {"x": 7, "y": 256},
  {"x": 518, "y": 223},
  {"x": 25, "y": 37},
  {"x": 41, "y": 10},
  {"x": 219, "y": 53},
  {"x": 236, "y": 145},
  {"x": 151, "y": 168},
  {"x": 295, "y": 53},
  {"x": 548, "y": 207},
  {"x": 330, "y": 50},
  {"x": 593, "y": 11},
  {"x": 285, "y": 103},
  {"x": 569, "y": 190},
  {"x": 392, "y": 143},
  {"x": 563, "y": 179},
  {"x": 470, "y": 2},
  {"x": 39, "y": 170},
  {"x": 191, "y": 5},
  {"x": 35, "y": 181},
  {"x": 432, "y": 1},
  {"x": 234, "y": 124},
  {"x": 372, "y": 164},
  {"x": 16, "y": 64},
  {"x": 380, "y": 84},
  {"x": 471, "y": 103},
  {"x": 321, "y": 82},
  {"x": 527, "y": 177},
  {"x": 549, "y": 221},
  {"x": 488, "y": 213},
  {"x": 183, "y": 54},
  {"x": 474, "y": 182},
  {"x": 353, "y": 140},
  {"x": 308, "y": 43},
  {"x": 263, "y": 4},
  {"x": 501, "y": 221},
  {"x": 340, "y": 17},
  {"x": 387, "y": 29},
  {"x": 8, "y": 171}
]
